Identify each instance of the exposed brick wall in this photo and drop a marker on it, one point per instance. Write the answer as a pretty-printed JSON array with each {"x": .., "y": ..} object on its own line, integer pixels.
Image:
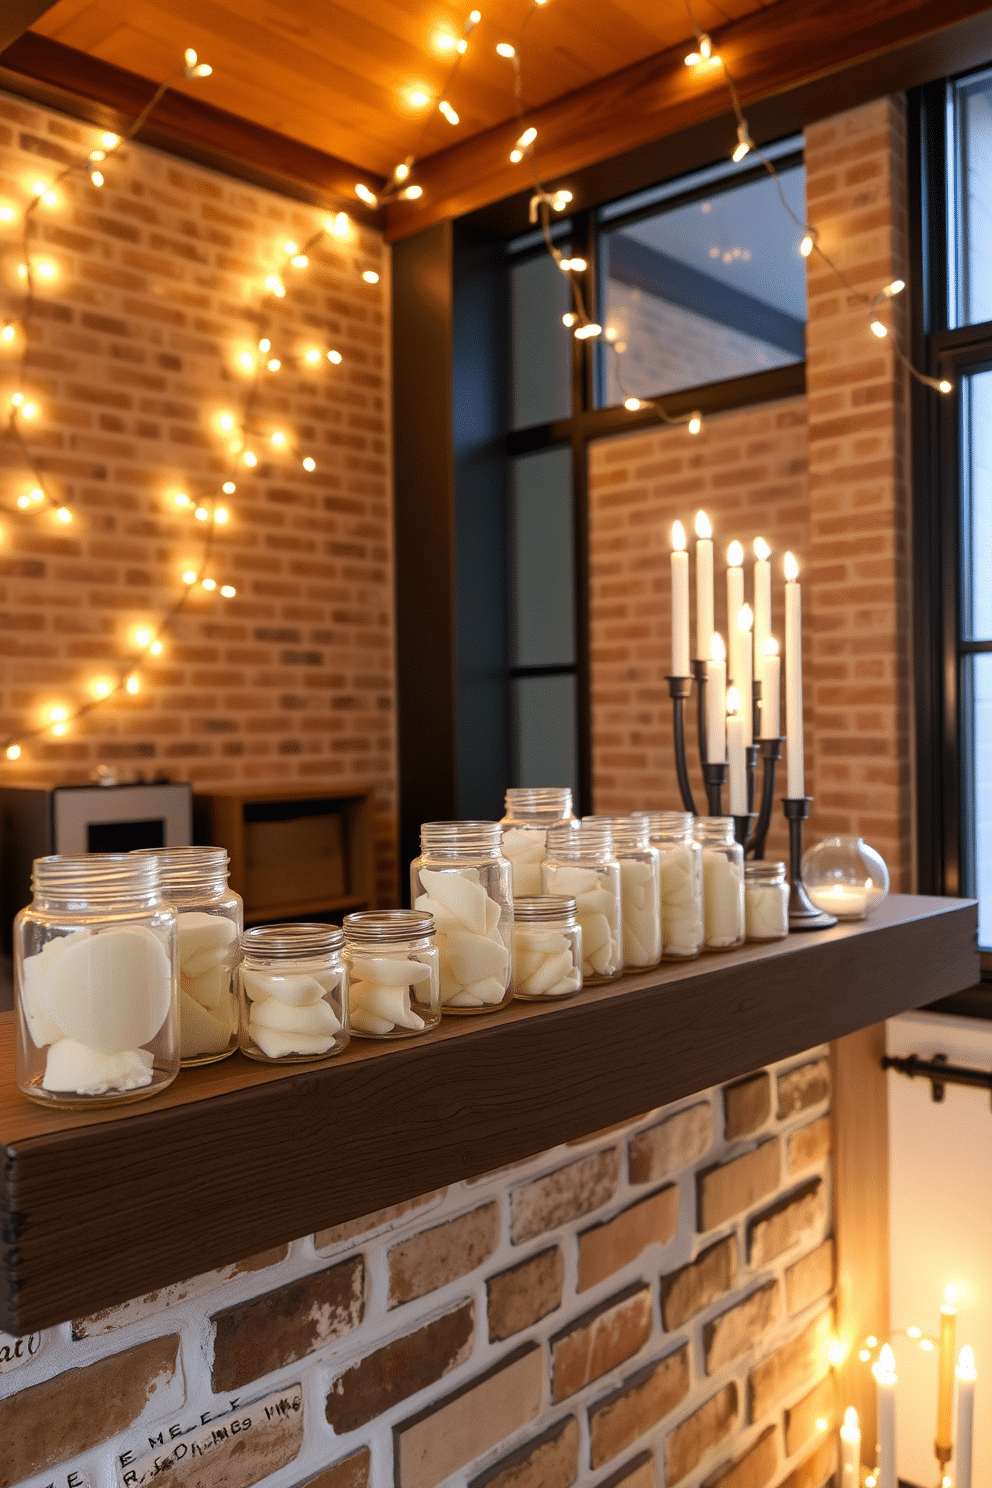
[
  {"x": 131, "y": 361},
  {"x": 648, "y": 1307}
]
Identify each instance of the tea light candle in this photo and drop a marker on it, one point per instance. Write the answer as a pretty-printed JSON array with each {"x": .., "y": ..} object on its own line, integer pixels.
[
  {"x": 846, "y": 901},
  {"x": 967, "y": 1375},
  {"x": 704, "y": 586},
  {"x": 680, "y": 603},
  {"x": 716, "y": 702}
]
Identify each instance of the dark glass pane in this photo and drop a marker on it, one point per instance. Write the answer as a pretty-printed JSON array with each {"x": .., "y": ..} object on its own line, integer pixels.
[
  {"x": 974, "y": 200},
  {"x": 543, "y": 596},
  {"x": 545, "y": 750},
  {"x": 707, "y": 290},
  {"x": 977, "y": 793},
  {"x": 976, "y": 469},
  {"x": 541, "y": 347}
]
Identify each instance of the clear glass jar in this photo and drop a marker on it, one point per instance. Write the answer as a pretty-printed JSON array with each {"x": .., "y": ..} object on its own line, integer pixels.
[
  {"x": 681, "y": 873},
  {"x": 211, "y": 918},
  {"x": 547, "y": 955},
  {"x": 393, "y": 984},
  {"x": 766, "y": 901},
  {"x": 463, "y": 880},
  {"x": 580, "y": 865},
  {"x": 723, "y": 883},
  {"x": 95, "y": 982},
  {"x": 529, "y": 814},
  {"x": 294, "y": 993},
  {"x": 640, "y": 890},
  {"x": 845, "y": 877}
]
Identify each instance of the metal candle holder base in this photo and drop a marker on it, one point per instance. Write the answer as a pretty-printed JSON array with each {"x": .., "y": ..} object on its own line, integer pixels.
[
  {"x": 700, "y": 673},
  {"x": 803, "y": 913},
  {"x": 680, "y": 689},
  {"x": 742, "y": 829},
  {"x": 714, "y": 778}
]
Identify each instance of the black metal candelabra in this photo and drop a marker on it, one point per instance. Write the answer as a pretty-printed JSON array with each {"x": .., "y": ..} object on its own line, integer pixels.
[
  {"x": 680, "y": 688},
  {"x": 771, "y": 753},
  {"x": 803, "y": 913}
]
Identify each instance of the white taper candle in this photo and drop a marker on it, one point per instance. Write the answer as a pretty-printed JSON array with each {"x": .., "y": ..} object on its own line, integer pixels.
[
  {"x": 745, "y": 619},
  {"x": 704, "y": 586},
  {"x": 771, "y": 686},
  {"x": 716, "y": 702},
  {"x": 680, "y": 603},
  {"x": 850, "y": 1450},
  {"x": 796, "y": 769},
  {"x": 964, "y": 1446},
  {"x": 735, "y": 601},
  {"x": 736, "y": 772},
  {"x": 886, "y": 1380},
  {"x": 762, "y": 601}
]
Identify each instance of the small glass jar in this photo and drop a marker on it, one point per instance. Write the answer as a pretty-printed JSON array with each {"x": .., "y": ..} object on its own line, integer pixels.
[
  {"x": 211, "y": 918},
  {"x": 845, "y": 877},
  {"x": 463, "y": 880},
  {"x": 766, "y": 901},
  {"x": 547, "y": 951},
  {"x": 294, "y": 993},
  {"x": 393, "y": 985},
  {"x": 529, "y": 814},
  {"x": 723, "y": 883},
  {"x": 640, "y": 891},
  {"x": 580, "y": 865},
  {"x": 681, "y": 873},
  {"x": 95, "y": 982}
]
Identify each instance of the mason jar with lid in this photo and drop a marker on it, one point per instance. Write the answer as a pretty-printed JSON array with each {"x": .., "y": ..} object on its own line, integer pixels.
[
  {"x": 640, "y": 890},
  {"x": 529, "y": 814},
  {"x": 723, "y": 883},
  {"x": 393, "y": 985},
  {"x": 211, "y": 918},
  {"x": 463, "y": 880},
  {"x": 95, "y": 982},
  {"x": 580, "y": 865},
  {"x": 681, "y": 875},
  {"x": 294, "y": 993},
  {"x": 766, "y": 901},
  {"x": 547, "y": 948}
]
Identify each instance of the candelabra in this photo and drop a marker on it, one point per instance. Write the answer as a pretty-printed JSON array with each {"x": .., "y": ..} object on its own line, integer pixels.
[
  {"x": 803, "y": 914},
  {"x": 771, "y": 753},
  {"x": 680, "y": 688}
]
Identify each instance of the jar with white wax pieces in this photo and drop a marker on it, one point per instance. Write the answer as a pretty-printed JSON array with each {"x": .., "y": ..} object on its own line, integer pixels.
[
  {"x": 393, "y": 985},
  {"x": 640, "y": 890},
  {"x": 766, "y": 901},
  {"x": 464, "y": 881},
  {"x": 294, "y": 993},
  {"x": 723, "y": 883},
  {"x": 681, "y": 875},
  {"x": 547, "y": 956},
  {"x": 211, "y": 918},
  {"x": 529, "y": 814},
  {"x": 580, "y": 865},
  {"x": 95, "y": 982}
]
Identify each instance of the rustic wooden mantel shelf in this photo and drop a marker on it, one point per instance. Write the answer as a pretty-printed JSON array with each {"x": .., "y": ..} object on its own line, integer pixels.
[{"x": 234, "y": 1158}]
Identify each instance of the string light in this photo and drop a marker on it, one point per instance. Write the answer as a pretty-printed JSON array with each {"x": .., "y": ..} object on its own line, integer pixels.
[
  {"x": 444, "y": 107},
  {"x": 809, "y": 241},
  {"x": 370, "y": 276},
  {"x": 695, "y": 423},
  {"x": 229, "y": 488},
  {"x": 133, "y": 684},
  {"x": 8, "y": 333},
  {"x": 878, "y": 329},
  {"x": 506, "y": 50},
  {"x": 367, "y": 196},
  {"x": 309, "y": 463},
  {"x": 210, "y": 585},
  {"x": 63, "y": 515},
  {"x": 745, "y": 144},
  {"x": 335, "y": 357},
  {"x": 13, "y": 751},
  {"x": 228, "y": 591},
  {"x": 101, "y": 687},
  {"x": 189, "y": 577}
]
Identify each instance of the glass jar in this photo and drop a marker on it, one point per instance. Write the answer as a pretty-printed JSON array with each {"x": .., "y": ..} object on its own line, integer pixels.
[
  {"x": 723, "y": 883},
  {"x": 294, "y": 1003},
  {"x": 529, "y": 814},
  {"x": 766, "y": 901},
  {"x": 681, "y": 873},
  {"x": 580, "y": 865},
  {"x": 211, "y": 918},
  {"x": 845, "y": 877},
  {"x": 95, "y": 982},
  {"x": 463, "y": 880},
  {"x": 547, "y": 955},
  {"x": 640, "y": 891},
  {"x": 393, "y": 985}
]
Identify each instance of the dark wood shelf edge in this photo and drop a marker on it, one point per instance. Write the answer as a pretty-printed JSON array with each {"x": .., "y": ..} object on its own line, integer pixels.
[{"x": 153, "y": 1197}]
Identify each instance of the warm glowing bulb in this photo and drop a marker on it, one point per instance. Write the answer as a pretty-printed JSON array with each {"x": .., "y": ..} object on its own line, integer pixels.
[
  {"x": 791, "y": 570},
  {"x": 96, "y": 177},
  {"x": 58, "y": 729},
  {"x": 299, "y": 260},
  {"x": 229, "y": 488},
  {"x": 370, "y": 276},
  {"x": 578, "y": 266},
  {"x": 247, "y": 361},
  {"x": 926, "y": 1344},
  {"x": 569, "y": 318},
  {"x": 142, "y": 637},
  {"x": 871, "y": 1341},
  {"x": 449, "y": 113},
  {"x": 735, "y": 554},
  {"x": 914, "y": 1333},
  {"x": 761, "y": 549},
  {"x": 8, "y": 333},
  {"x": 28, "y": 410},
  {"x": 102, "y": 687},
  {"x": 367, "y": 196},
  {"x": 885, "y": 1370},
  {"x": 265, "y": 344},
  {"x": 190, "y": 57},
  {"x": 133, "y": 685},
  {"x": 13, "y": 751},
  {"x": 864, "y": 1355},
  {"x": 879, "y": 330},
  {"x": 17, "y": 399},
  {"x": 678, "y": 537},
  {"x": 444, "y": 42},
  {"x": 309, "y": 463},
  {"x": 228, "y": 591},
  {"x": 412, "y": 193},
  {"x": 418, "y": 98},
  {"x": 210, "y": 585},
  {"x": 110, "y": 141},
  {"x": 584, "y": 332},
  {"x": 745, "y": 144},
  {"x": 808, "y": 242},
  {"x": 278, "y": 438},
  {"x": 58, "y": 715},
  {"x": 632, "y": 404},
  {"x": 63, "y": 515},
  {"x": 505, "y": 49},
  {"x": 312, "y": 356},
  {"x": 516, "y": 156},
  {"x": 475, "y": 16},
  {"x": 289, "y": 248},
  {"x": 528, "y": 137},
  {"x": 156, "y": 648},
  {"x": 341, "y": 226},
  {"x": 7, "y": 214},
  {"x": 950, "y": 1300},
  {"x": 225, "y": 423},
  {"x": 718, "y": 650},
  {"x": 251, "y": 460},
  {"x": 335, "y": 357},
  {"x": 181, "y": 499},
  {"x": 745, "y": 619},
  {"x": 704, "y": 527},
  {"x": 275, "y": 286},
  {"x": 944, "y": 386},
  {"x": 896, "y": 287},
  {"x": 733, "y": 702},
  {"x": 24, "y": 502},
  {"x": 273, "y": 364},
  {"x": 189, "y": 577},
  {"x": 201, "y": 514},
  {"x": 695, "y": 423},
  {"x": 37, "y": 494}
]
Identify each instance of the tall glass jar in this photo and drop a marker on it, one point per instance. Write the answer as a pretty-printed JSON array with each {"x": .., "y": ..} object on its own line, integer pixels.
[
  {"x": 95, "y": 982},
  {"x": 463, "y": 880},
  {"x": 211, "y": 918},
  {"x": 723, "y": 883},
  {"x": 681, "y": 865},
  {"x": 529, "y": 814},
  {"x": 547, "y": 948},
  {"x": 580, "y": 865},
  {"x": 766, "y": 901},
  {"x": 640, "y": 891},
  {"x": 393, "y": 985},
  {"x": 294, "y": 993}
]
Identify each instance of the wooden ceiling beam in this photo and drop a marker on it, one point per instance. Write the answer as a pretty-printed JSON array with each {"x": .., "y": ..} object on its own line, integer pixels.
[
  {"x": 18, "y": 15},
  {"x": 786, "y": 45}
]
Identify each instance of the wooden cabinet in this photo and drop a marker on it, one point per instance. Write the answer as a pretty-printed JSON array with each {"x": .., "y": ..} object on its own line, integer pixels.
[{"x": 294, "y": 854}]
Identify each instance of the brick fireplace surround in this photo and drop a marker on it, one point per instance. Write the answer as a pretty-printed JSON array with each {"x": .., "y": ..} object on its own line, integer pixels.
[{"x": 649, "y": 1306}]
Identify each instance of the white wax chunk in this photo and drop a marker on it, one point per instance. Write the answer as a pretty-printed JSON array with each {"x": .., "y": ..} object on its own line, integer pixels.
[
  {"x": 545, "y": 942},
  {"x": 596, "y": 901},
  {"x": 329, "y": 980},
  {"x": 206, "y": 957},
  {"x": 111, "y": 990},
  {"x": 595, "y": 932},
  {"x": 199, "y": 1031},
  {"x": 634, "y": 953},
  {"x": 212, "y": 989},
  {"x": 362, "y": 1021},
  {"x": 723, "y": 900},
  {"x": 295, "y": 991},
  {"x": 601, "y": 961},
  {"x": 41, "y": 1028},
  {"x": 569, "y": 882},
  {"x": 448, "y": 984},
  {"x": 456, "y": 892},
  {"x": 443, "y": 918},
  {"x": 73, "y": 1067},
  {"x": 493, "y": 912},
  {"x": 641, "y": 913},
  {"x": 766, "y": 911},
  {"x": 570, "y": 983},
  {"x": 276, "y": 1045},
  {"x": 525, "y": 850},
  {"x": 681, "y": 901},
  {"x": 463, "y": 999},
  {"x": 390, "y": 1003},
  {"x": 203, "y": 932},
  {"x": 474, "y": 957},
  {"x": 312, "y": 1018},
  {"x": 389, "y": 970},
  {"x": 551, "y": 971},
  {"x": 525, "y": 962},
  {"x": 489, "y": 990}
]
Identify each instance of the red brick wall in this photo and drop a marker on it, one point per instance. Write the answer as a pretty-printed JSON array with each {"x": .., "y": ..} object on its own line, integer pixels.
[{"x": 134, "y": 356}]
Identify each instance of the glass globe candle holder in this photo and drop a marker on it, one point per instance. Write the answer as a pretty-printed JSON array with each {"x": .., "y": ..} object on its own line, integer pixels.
[{"x": 845, "y": 877}]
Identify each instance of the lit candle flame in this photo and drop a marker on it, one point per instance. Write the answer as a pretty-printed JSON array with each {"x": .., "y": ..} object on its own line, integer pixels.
[
  {"x": 770, "y": 646},
  {"x": 966, "y": 1364},
  {"x": 735, "y": 554},
  {"x": 745, "y": 619},
  {"x": 761, "y": 549},
  {"x": 733, "y": 702},
  {"x": 791, "y": 568},
  {"x": 678, "y": 537},
  {"x": 885, "y": 1370},
  {"x": 703, "y": 527},
  {"x": 718, "y": 650}
]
